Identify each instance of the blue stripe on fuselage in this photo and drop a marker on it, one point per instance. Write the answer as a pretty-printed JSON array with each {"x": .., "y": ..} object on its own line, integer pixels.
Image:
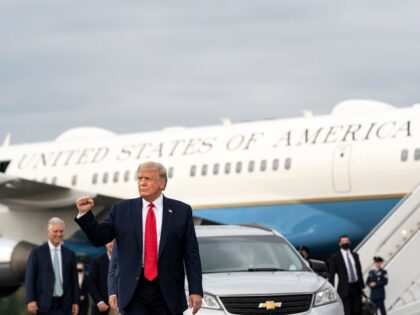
[{"x": 316, "y": 225}]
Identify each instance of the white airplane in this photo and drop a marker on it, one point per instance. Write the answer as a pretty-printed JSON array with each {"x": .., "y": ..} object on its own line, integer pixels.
[{"x": 312, "y": 178}]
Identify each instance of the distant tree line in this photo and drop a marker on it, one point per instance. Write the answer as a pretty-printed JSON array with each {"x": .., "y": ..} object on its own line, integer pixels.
[{"x": 14, "y": 304}]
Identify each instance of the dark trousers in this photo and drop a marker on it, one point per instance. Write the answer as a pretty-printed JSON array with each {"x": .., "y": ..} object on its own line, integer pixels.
[
  {"x": 380, "y": 305},
  {"x": 148, "y": 299},
  {"x": 353, "y": 301},
  {"x": 57, "y": 308},
  {"x": 84, "y": 306}
]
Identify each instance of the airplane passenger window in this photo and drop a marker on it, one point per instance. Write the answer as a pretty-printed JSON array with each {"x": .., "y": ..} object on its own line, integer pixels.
[
  {"x": 105, "y": 178},
  {"x": 275, "y": 164},
  {"x": 204, "y": 170},
  {"x": 193, "y": 170},
  {"x": 171, "y": 172},
  {"x": 74, "y": 180},
  {"x": 263, "y": 165},
  {"x": 216, "y": 169},
  {"x": 288, "y": 163},
  {"x": 417, "y": 154},
  {"x": 238, "y": 167},
  {"x": 126, "y": 176},
  {"x": 95, "y": 178},
  {"x": 251, "y": 166},
  {"x": 116, "y": 176},
  {"x": 404, "y": 155},
  {"x": 227, "y": 168}
]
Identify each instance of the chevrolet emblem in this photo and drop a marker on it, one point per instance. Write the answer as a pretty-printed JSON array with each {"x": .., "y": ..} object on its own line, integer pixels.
[{"x": 270, "y": 305}]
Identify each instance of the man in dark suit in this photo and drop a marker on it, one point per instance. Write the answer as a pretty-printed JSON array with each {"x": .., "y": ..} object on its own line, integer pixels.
[
  {"x": 83, "y": 286},
  {"x": 346, "y": 265},
  {"x": 51, "y": 278},
  {"x": 98, "y": 282},
  {"x": 155, "y": 236}
]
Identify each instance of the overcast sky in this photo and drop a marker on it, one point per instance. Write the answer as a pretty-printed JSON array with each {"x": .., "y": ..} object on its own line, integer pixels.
[{"x": 131, "y": 66}]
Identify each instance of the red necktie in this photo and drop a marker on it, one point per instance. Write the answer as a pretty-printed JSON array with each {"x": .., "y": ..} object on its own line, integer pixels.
[{"x": 150, "y": 245}]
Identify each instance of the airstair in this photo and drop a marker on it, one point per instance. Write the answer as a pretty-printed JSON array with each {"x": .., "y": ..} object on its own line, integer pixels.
[{"x": 397, "y": 239}]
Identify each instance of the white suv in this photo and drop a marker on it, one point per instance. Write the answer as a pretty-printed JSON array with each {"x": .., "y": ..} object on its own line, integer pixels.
[{"x": 253, "y": 270}]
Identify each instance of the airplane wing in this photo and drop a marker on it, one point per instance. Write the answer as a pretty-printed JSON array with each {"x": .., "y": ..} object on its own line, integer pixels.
[{"x": 19, "y": 193}]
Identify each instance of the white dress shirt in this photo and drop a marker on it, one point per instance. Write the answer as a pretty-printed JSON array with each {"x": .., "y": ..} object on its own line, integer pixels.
[
  {"x": 80, "y": 277},
  {"x": 344, "y": 253},
  {"x": 60, "y": 260},
  {"x": 158, "y": 210}
]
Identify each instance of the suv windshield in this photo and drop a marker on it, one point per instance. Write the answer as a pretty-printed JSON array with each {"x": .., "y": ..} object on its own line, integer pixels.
[{"x": 248, "y": 253}]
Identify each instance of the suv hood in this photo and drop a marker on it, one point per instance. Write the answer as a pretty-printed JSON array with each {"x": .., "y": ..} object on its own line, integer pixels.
[{"x": 244, "y": 283}]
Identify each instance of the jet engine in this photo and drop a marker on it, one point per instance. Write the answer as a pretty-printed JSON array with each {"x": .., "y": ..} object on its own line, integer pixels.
[{"x": 13, "y": 258}]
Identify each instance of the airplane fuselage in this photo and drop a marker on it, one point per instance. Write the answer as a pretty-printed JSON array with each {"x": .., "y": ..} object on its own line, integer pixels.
[{"x": 311, "y": 178}]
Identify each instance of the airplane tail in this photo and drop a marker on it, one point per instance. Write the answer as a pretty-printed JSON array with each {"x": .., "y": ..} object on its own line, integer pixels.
[{"x": 6, "y": 141}]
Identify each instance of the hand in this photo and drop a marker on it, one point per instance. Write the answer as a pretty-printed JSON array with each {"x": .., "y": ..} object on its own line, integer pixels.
[
  {"x": 372, "y": 284},
  {"x": 32, "y": 307},
  {"x": 103, "y": 307},
  {"x": 112, "y": 300},
  {"x": 75, "y": 309},
  {"x": 195, "y": 302},
  {"x": 84, "y": 204}
]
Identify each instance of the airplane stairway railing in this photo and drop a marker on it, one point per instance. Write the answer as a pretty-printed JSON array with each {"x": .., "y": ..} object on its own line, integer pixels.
[
  {"x": 409, "y": 302},
  {"x": 397, "y": 239},
  {"x": 404, "y": 277}
]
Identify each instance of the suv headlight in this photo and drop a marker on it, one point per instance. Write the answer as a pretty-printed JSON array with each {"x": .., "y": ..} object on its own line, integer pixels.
[
  {"x": 210, "y": 301},
  {"x": 325, "y": 295}
]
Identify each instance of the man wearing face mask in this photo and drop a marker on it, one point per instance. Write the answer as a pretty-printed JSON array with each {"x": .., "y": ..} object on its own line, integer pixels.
[{"x": 346, "y": 265}]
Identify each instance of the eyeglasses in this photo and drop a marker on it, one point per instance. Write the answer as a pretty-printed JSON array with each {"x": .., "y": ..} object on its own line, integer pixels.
[{"x": 80, "y": 270}]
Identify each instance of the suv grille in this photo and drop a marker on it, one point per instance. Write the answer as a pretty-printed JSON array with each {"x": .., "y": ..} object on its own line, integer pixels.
[{"x": 290, "y": 304}]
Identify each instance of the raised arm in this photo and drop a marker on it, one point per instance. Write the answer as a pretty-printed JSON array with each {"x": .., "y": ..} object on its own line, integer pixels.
[{"x": 98, "y": 233}]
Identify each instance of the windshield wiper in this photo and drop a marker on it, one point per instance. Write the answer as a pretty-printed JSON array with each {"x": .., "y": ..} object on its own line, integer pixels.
[{"x": 266, "y": 269}]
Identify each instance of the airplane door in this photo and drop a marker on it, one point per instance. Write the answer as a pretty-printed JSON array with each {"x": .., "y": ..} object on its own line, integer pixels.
[{"x": 341, "y": 169}]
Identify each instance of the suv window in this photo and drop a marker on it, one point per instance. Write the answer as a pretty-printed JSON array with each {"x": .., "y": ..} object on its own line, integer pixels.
[{"x": 248, "y": 253}]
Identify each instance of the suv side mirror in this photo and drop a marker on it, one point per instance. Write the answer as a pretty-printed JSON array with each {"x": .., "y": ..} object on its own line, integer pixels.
[{"x": 319, "y": 267}]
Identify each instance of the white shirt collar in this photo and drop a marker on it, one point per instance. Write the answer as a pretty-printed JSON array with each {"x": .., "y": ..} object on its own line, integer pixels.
[
  {"x": 52, "y": 247},
  {"x": 158, "y": 203},
  {"x": 345, "y": 252}
]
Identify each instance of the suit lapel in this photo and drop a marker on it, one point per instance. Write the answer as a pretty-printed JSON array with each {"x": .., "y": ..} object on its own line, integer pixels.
[
  {"x": 47, "y": 253},
  {"x": 166, "y": 223},
  {"x": 136, "y": 213},
  {"x": 64, "y": 258},
  {"x": 342, "y": 262}
]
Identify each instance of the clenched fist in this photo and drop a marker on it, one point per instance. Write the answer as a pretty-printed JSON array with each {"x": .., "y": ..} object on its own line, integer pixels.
[{"x": 84, "y": 204}]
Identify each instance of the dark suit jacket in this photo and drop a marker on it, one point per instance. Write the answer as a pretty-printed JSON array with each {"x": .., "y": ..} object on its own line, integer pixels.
[
  {"x": 113, "y": 273},
  {"x": 337, "y": 265},
  {"x": 98, "y": 281},
  {"x": 84, "y": 305},
  {"x": 178, "y": 245},
  {"x": 381, "y": 278},
  {"x": 39, "y": 278}
]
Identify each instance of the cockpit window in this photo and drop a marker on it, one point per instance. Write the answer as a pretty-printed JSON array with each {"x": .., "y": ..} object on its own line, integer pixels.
[
  {"x": 3, "y": 166},
  {"x": 248, "y": 253}
]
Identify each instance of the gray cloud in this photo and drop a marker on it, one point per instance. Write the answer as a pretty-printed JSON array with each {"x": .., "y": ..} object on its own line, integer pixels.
[{"x": 134, "y": 66}]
